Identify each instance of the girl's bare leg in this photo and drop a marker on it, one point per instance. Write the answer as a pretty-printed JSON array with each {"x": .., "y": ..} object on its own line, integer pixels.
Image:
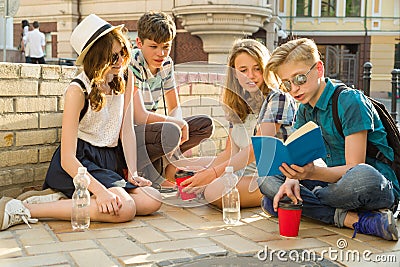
[
  {"x": 250, "y": 195},
  {"x": 62, "y": 209},
  {"x": 147, "y": 200}
]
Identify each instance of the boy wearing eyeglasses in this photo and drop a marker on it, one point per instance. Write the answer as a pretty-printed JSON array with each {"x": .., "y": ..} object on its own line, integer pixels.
[
  {"x": 352, "y": 190},
  {"x": 154, "y": 72}
]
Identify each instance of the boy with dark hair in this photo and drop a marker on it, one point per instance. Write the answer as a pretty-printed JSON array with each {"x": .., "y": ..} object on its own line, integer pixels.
[
  {"x": 153, "y": 68},
  {"x": 353, "y": 190}
]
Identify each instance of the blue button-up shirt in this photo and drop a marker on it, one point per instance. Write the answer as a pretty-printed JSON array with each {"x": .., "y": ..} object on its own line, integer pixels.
[{"x": 356, "y": 113}]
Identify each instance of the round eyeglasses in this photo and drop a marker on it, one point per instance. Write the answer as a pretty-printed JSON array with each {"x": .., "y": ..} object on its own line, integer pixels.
[{"x": 299, "y": 79}]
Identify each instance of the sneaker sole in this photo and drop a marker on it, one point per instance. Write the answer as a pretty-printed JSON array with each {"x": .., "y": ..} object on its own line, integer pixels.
[
  {"x": 45, "y": 192},
  {"x": 3, "y": 202},
  {"x": 392, "y": 224}
]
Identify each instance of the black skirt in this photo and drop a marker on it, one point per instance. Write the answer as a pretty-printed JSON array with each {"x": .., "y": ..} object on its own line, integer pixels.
[{"x": 105, "y": 164}]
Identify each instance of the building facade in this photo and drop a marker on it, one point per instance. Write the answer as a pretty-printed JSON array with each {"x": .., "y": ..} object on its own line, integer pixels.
[
  {"x": 206, "y": 29},
  {"x": 348, "y": 32}
]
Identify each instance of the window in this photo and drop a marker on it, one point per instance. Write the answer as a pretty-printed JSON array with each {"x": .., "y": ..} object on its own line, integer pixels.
[
  {"x": 49, "y": 45},
  {"x": 353, "y": 8},
  {"x": 281, "y": 6},
  {"x": 328, "y": 8},
  {"x": 260, "y": 36},
  {"x": 376, "y": 6},
  {"x": 303, "y": 8}
]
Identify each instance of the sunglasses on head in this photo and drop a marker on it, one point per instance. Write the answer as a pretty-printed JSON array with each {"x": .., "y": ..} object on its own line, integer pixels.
[
  {"x": 299, "y": 79},
  {"x": 115, "y": 56}
]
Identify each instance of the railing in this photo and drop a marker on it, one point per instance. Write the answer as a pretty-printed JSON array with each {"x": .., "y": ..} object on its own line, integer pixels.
[
  {"x": 61, "y": 61},
  {"x": 367, "y": 78},
  {"x": 395, "y": 92},
  {"x": 395, "y": 86}
]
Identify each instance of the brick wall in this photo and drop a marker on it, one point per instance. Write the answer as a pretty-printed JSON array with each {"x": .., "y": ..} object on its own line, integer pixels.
[
  {"x": 188, "y": 48},
  {"x": 200, "y": 93},
  {"x": 31, "y": 106}
]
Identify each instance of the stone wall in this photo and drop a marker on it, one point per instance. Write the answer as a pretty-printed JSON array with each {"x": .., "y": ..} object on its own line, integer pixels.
[{"x": 31, "y": 106}]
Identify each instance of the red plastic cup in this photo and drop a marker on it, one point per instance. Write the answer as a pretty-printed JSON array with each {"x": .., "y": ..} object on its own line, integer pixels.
[
  {"x": 289, "y": 215},
  {"x": 179, "y": 179}
]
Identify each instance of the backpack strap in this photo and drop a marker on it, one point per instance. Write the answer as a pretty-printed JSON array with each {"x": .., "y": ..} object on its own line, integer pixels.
[
  {"x": 372, "y": 150},
  {"x": 335, "y": 112},
  {"x": 86, "y": 106}
]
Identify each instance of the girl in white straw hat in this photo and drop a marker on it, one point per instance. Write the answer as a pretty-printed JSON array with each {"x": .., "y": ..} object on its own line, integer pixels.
[{"x": 100, "y": 137}]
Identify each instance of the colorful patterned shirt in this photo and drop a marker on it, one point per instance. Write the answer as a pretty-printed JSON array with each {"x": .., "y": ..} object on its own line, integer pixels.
[{"x": 152, "y": 85}]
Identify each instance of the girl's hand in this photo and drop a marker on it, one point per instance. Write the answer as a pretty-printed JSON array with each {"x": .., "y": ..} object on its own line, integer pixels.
[
  {"x": 296, "y": 172},
  {"x": 191, "y": 188},
  {"x": 291, "y": 189},
  {"x": 197, "y": 182},
  {"x": 108, "y": 202},
  {"x": 138, "y": 180}
]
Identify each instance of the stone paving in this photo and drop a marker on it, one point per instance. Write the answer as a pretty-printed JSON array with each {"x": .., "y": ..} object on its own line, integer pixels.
[{"x": 189, "y": 234}]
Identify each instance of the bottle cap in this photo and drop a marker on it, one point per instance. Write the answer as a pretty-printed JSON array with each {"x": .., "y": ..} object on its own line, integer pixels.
[
  {"x": 82, "y": 177},
  {"x": 228, "y": 169},
  {"x": 82, "y": 170}
]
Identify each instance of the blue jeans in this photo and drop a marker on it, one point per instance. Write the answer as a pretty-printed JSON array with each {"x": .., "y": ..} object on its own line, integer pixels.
[{"x": 360, "y": 188}]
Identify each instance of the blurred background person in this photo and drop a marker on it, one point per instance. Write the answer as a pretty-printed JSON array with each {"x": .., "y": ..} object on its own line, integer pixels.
[{"x": 36, "y": 43}]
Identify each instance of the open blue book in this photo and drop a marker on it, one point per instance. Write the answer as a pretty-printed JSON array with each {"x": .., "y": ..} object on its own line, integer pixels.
[{"x": 301, "y": 147}]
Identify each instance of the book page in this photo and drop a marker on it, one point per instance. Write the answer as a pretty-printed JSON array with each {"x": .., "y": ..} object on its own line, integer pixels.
[{"x": 302, "y": 130}]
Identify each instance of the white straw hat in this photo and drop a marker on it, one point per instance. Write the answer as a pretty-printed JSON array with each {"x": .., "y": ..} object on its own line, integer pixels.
[{"x": 87, "y": 33}]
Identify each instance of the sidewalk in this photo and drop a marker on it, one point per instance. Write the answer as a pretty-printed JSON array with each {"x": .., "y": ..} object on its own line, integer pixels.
[{"x": 185, "y": 234}]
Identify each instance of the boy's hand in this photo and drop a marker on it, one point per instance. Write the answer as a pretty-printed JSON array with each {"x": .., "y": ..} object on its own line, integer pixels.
[
  {"x": 291, "y": 189},
  {"x": 296, "y": 172},
  {"x": 139, "y": 181}
]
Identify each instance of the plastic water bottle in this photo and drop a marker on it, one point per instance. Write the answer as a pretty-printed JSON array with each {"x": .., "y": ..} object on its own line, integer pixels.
[
  {"x": 80, "y": 217},
  {"x": 230, "y": 197}
]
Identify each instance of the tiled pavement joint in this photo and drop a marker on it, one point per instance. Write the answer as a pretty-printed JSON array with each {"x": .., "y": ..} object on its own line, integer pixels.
[{"x": 174, "y": 236}]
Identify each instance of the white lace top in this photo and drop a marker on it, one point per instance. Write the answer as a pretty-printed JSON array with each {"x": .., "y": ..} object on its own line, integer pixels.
[{"x": 102, "y": 128}]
